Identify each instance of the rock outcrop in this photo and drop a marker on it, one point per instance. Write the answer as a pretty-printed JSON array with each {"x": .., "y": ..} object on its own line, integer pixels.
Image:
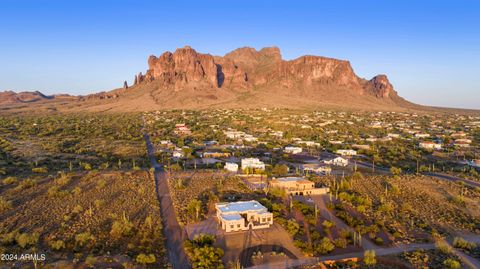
[{"x": 246, "y": 68}]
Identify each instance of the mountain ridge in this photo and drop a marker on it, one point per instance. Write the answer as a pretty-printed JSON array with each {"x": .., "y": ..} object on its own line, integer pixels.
[{"x": 242, "y": 78}]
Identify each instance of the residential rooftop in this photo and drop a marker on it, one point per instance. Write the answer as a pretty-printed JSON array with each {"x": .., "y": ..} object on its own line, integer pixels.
[{"x": 241, "y": 206}]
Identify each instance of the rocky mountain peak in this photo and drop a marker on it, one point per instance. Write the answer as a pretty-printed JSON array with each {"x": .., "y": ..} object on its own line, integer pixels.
[
  {"x": 246, "y": 69},
  {"x": 381, "y": 86}
]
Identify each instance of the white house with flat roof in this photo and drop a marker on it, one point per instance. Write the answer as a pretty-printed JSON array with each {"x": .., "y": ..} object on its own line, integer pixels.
[
  {"x": 242, "y": 216},
  {"x": 347, "y": 152},
  {"x": 292, "y": 150},
  {"x": 254, "y": 163},
  {"x": 430, "y": 145},
  {"x": 232, "y": 167}
]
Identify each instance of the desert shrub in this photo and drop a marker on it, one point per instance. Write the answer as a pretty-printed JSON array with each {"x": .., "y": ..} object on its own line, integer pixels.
[
  {"x": 292, "y": 227},
  {"x": 90, "y": 261},
  {"x": 121, "y": 228},
  {"x": 8, "y": 238},
  {"x": 25, "y": 239},
  {"x": 443, "y": 247},
  {"x": 145, "y": 258},
  {"x": 76, "y": 191},
  {"x": 27, "y": 183},
  {"x": 99, "y": 203},
  {"x": 77, "y": 209},
  {"x": 57, "y": 245},
  {"x": 459, "y": 242},
  {"x": 62, "y": 180},
  {"x": 452, "y": 264},
  {"x": 341, "y": 243},
  {"x": 395, "y": 170},
  {"x": 324, "y": 246},
  {"x": 55, "y": 191},
  {"x": 202, "y": 254},
  {"x": 369, "y": 257},
  {"x": 280, "y": 170},
  {"x": 4, "y": 204},
  {"x": 10, "y": 180},
  {"x": 327, "y": 224},
  {"x": 175, "y": 167},
  {"x": 40, "y": 170},
  {"x": 82, "y": 239},
  {"x": 86, "y": 166},
  {"x": 101, "y": 184}
]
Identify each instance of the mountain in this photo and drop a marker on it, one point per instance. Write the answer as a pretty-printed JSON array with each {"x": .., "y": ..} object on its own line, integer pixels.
[
  {"x": 10, "y": 97},
  {"x": 245, "y": 78}
]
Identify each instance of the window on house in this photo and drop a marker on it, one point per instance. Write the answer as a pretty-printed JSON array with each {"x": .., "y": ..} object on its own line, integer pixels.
[{"x": 231, "y": 226}]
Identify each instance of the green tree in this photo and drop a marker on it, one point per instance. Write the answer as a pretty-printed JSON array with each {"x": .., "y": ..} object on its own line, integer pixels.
[
  {"x": 395, "y": 170},
  {"x": 292, "y": 227},
  {"x": 452, "y": 264},
  {"x": 324, "y": 246},
  {"x": 369, "y": 257},
  {"x": 280, "y": 170},
  {"x": 145, "y": 259}
]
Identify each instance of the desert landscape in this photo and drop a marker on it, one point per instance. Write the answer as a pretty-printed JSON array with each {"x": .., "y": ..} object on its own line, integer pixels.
[{"x": 260, "y": 135}]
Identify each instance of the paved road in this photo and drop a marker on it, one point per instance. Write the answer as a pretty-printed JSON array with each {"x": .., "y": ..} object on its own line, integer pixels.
[
  {"x": 442, "y": 176},
  {"x": 174, "y": 234},
  {"x": 312, "y": 261},
  {"x": 453, "y": 178}
]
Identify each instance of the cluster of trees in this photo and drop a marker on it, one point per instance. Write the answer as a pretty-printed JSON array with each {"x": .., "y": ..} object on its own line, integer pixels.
[{"x": 202, "y": 253}]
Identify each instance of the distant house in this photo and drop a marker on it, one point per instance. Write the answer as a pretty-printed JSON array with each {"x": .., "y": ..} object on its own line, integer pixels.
[
  {"x": 297, "y": 186},
  {"x": 360, "y": 146},
  {"x": 242, "y": 216},
  {"x": 178, "y": 153},
  {"x": 338, "y": 161},
  {"x": 232, "y": 167},
  {"x": 462, "y": 143},
  {"x": 278, "y": 134},
  {"x": 421, "y": 135},
  {"x": 347, "y": 152},
  {"x": 292, "y": 150},
  {"x": 458, "y": 134},
  {"x": 215, "y": 154},
  {"x": 430, "y": 145},
  {"x": 393, "y": 135},
  {"x": 254, "y": 163},
  {"x": 317, "y": 169},
  {"x": 309, "y": 143},
  {"x": 250, "y": 138},
  {"x": 182, "y": 129},
  {"x": 376, "y": 124},
  {"x": 234, "y": 134}
]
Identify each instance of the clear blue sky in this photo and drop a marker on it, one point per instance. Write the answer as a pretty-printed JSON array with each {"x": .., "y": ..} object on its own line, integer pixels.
[{"x": 430, "y": 50}]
